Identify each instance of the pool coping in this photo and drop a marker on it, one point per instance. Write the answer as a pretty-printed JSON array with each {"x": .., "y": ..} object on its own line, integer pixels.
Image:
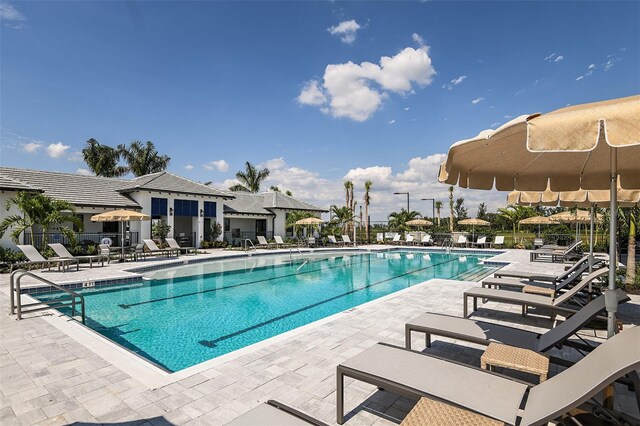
[{"x": 154, "y": 376}]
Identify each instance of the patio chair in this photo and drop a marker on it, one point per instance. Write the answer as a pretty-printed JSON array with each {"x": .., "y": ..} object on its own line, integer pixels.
[
  {"x": 152, "y": 248},
  {"x": 347, "y": 241},
  {"x": 426, "y": 240},
  {"x": 483, "y": 333},
  {"x": 311, "y": 242},
  {"x": 396, "y": 239},
  {"x": 274, "y": 413},
  {"x": 538, "y": 242},
  {"x": 527, "y": 298},
  {"x": 63, "y": 253},
  {"x": 380, "y": 237},
  {"x": 554, "y": 254},
  {"x": 480, "y": 242},
  {"x": 280, "y": 242},
  {"x": 333, "y": 241},
  {"x": 262, "y": 243},
  {"x": 408, "y": 240},
  {"x": 462, "y": 241},
  {"x": 495, "y": 399},
  {"x": 498, "y": 241},
  {"x": 173, "y": 244},
  {"x": 549, "y": 278},
  {"x": 35, "y": 258},
  {"x": 105, "y": 250}
]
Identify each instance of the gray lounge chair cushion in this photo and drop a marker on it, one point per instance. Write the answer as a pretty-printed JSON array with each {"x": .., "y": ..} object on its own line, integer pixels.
[
  {"x": 475, "y": 389},
  {"x": 267, "y": 415}
]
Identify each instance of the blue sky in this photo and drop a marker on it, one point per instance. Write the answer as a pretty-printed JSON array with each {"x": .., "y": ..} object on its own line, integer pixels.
[{"x": 299, "y": 86}]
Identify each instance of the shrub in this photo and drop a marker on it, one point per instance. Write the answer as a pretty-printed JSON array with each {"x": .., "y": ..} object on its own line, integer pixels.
[{"x": 160, "y": 230}]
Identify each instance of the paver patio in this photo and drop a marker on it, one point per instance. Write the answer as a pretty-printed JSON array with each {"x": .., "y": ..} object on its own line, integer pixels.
[{"x": 51, "y": 372}]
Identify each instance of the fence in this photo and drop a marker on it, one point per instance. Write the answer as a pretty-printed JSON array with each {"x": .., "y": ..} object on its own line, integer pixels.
[
  {"x": 82, "y": 238},
  {"x": 236, "y": 239}
]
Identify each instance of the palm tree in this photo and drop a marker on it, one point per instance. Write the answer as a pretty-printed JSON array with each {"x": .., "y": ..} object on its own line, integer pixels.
[
  {"x": 250, "y": 179},
  {"x": 294, "y": 216},
  {"x": 397, "y": 220},
  {"x": 348, "y": 186},
  {"x": 342, "y": 217},
  {"x": 39, "y": 210},
  {"x": 451, "y": 209},
  {"x": 514, "y": 214},
  {"x": 367, "y": 199},
  {"x": 143, "y": 159},
  {"x": 102, "y": 160},
  {"x": 274, "y": 188},
  {"x": 632, "y": 222},
  {"x": 438, "y": 207}
]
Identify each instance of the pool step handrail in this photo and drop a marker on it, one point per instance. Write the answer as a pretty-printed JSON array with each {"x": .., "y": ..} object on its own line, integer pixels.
[
  {"x": 248, "y": 242},
  {"x": 17, "y": 306}
]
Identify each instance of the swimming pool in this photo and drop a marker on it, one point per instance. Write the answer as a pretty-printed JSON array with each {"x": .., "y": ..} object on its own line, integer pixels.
[{"x": 182, "y": 316}]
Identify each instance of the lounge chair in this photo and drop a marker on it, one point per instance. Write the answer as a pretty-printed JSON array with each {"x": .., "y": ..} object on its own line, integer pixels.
[
  {"x": 333, "y": 241},
  {"x": 483, "y": 333},
  {"x": 547, "y": 278},
  {"x": 529, "y": 299},
  {"x": 426, "y": 240},
  {"x": 280, "y": 242},
  {"x": 173, "y": 244},
  {"x": 538, "y": 242},
  {"x": 273, "y": 413},
  {"x": 396, "y": 239},
  {"x": 262, "y": 243},
  {"x": 152, "y": 248},
  {"x": 408, "y": 240},
  {"x": 498, "y": 241},
  {"x": 105, "y": 250},
  {"x": 462, "y": 241},
  {"x": 347, "y": 241},
  {"x": 380, "y": 237},
  {"x": 461, "y": 389},
  {"x": 480, "y": 242},
  {"x": 311, "y": 241},
  {"x": 553, "y": 254},
  {"x": 35, "y": 258},
  {"x": 63, "y": 253}
]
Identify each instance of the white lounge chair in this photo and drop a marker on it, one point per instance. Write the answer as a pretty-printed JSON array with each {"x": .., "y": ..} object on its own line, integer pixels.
[
  {"x": 462, "y": 241},
  {"x": 35, "y": 258},
  {"x": 380, "y": 237},
  {"x": 498, "y": 241},
  {"x": 426, "y": 240},
  {"x": 154, "y": 249},
  {"x": 480, "y": 242},
  {"x": 263, "y": 243},
  {"x": 396, "y": 239},
  {"x": 280, "y": 242},
  {"x": 408, "y": 240},
  {"x": 63, "y": 253},
  {"x": 347, "y": 241},
  {"x": 174, "y": 245}
]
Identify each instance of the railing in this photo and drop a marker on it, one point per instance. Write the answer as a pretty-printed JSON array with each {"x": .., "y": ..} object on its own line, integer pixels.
[
  {"x": 17, "y": 306},
  {"x": 248, "y": 243},
  {"x": 82, "y": 238}
]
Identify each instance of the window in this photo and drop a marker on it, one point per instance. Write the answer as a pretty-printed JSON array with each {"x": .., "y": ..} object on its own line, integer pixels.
[
  {"x": 110, "y": 227},
  {"x": 209, "y": 209},
  {"x": 185, "y": 208},
  {"x": 158, "y": 206}
]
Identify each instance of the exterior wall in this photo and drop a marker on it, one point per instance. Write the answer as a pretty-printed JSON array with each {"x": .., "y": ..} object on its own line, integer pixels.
[{"x": 5, "y": 240}]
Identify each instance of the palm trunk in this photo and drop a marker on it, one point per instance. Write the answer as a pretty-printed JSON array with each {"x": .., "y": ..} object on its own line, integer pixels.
[
  {"x": 631, "y": 249},
  {"x": 451, "y": 211},
  {"x": 366, "y": 219}
]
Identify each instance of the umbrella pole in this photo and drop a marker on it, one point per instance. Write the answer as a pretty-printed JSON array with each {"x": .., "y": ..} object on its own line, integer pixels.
[
  {"x": 591, "y": 241},
  {"x": 611, "y": 302},
  {"x": 122, "y": 241}
]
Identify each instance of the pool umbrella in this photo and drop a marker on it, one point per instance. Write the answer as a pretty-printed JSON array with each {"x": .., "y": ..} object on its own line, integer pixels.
[
  {"x": 120, "y": 216},
  {"x": 538, "y": 220},
  {"x": 313, "y": 221},
  {"x": 586, "y": 146},
  {"x": 418, "y": 222},
  {"x": 473, "y": 223}
]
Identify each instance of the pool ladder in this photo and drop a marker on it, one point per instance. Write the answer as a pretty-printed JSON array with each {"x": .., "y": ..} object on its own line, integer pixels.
[
  {"x": 17, "y": 307},
  {"x": 306, "y": 259},
  {"x": 248, "y": 243},
  {"x": 447, "y": 244}
]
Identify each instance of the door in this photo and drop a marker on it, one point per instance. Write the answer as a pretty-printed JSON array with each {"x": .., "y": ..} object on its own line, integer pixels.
[{"x": 261, "y": 227}]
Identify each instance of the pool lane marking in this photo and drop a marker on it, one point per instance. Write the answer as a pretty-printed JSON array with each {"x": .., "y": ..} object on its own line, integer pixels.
[
  {"x": 128, "y": 305},
  {"x": 212, "y": 343}
]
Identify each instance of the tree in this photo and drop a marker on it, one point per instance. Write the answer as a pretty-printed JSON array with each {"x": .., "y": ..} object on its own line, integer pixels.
[
  {"x": 438, "y": 206},
  {"x": 274, "y": 188},
  {"x": 143, "y": 159},
  {"x": 451, "y": 208},
  {"x": 367, "y": 199},
  {"x": 514, "y": 214},
  {"x": 632, "y": 223},
  {"x": 342, "y": 217},
  {"x": 482, "y": 211},
  {"x": 397, "y": 220},
  {"x": 348, "y": 186},
  {"x": 289, "y": 193},
  {"x": 102, "y": 160},
  {"x": 250, "y": 179},
  {"x": 40, "y": 210},
  {"x": 460, "y": 209}
]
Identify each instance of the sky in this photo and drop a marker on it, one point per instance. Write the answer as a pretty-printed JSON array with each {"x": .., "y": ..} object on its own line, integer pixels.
[{"x": 319, "y": 92}]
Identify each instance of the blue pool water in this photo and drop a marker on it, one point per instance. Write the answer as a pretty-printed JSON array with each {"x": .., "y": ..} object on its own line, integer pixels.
[{"x": 190, "y": 314}]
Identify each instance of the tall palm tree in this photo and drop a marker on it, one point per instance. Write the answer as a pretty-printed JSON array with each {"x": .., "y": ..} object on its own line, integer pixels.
[
  {"x": 451, "y": 208},
  {"x": 102, "y": 160},
  {"x": 250, "y": 179},
  {"x": 342, "y": 217},
  {"x": 348, "y": 186},
  {"x": 438, "y": 207},
  {"x": 397, "y": 220},
  {"x": 143, "y": 159},
  {"x": 40, "y": 210},
  {"x": 367, "y": 199}
]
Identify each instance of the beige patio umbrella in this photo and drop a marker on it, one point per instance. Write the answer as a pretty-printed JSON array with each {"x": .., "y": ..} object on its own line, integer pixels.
[
  {"x": 473, "y": 222},
  {"x": 418, "y": 222},
  {"x": 538, "y": 220},
  {"x": 310, "y": 221},
  {"x": 120, "y": 216},
  {"x": 586, "y": 146}
]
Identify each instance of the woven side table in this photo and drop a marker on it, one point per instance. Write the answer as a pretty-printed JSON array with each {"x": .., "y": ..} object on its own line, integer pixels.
[
  {"x": 528, "y": 361},
  {"x": 542, "y": 291},
  {"x": 431, "y": 412}
]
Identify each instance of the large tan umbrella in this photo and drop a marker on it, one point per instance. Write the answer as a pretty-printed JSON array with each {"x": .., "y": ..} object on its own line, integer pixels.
[
  {"x": 418, "y": 222},
  {"x": 309, "y": 221},
  {"x": 473, "y": 222},
  {"x": 120, "y": 216},
  {"x": 578, "y": 216},
  {"x": 585, "y": 146}
]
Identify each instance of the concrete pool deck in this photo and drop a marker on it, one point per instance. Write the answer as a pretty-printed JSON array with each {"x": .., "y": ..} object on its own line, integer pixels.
[{"x": 54, "y": 371}]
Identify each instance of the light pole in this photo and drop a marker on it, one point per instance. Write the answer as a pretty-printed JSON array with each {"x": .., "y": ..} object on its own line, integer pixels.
[
  {"x": 433, "y": 206},
  {"x": 404, "y": 193}
]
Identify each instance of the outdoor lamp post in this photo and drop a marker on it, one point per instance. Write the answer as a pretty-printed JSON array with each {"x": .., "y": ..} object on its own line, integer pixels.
[
  {"x": 404, "y": 193},
  {"x": 433, "y": 206}
]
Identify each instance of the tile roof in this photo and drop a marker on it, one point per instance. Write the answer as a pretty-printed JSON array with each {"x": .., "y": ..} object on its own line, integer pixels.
[
  {"x": 77, "y": 189},
  {"x": 7, "y": 182},
  {"x": 260, "y": 204},
  {"x": 168, "y": 182}
]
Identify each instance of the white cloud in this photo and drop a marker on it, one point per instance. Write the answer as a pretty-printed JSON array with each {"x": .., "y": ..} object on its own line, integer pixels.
[
  {"x": 57, "y": 150},
  {"x": 219, "y": 165},
  {"x": 454, "y": 82},
  {"x": 418, "y": 39},
  {"x": 346, "y": 30},
  {"x": 508, "y": 117},
  {"x": 608, "y": 65},
  {"x": 12, "y": 17},
  {"x": 519, "y": 92},
  {"x": 407, "y": 108},
  {"x": 558, "y": 58},
  {"x": 477, "y": 100},
  {"x": 311, "y": 94},
  {"x": 592, "y": 66},
  {"x": 392, "y": 121},
  {"x": 76, "y": 157},
  {"x": 31, "y": 147},
  {"x": 580, "y": 78},
  {"x": 189, "y": 167},
  {"x": 83, "y": 172},
  {"x": 356, "y": 91},
  {"x": 494, "y": 125},
  {"x": 551, "y": 56}
]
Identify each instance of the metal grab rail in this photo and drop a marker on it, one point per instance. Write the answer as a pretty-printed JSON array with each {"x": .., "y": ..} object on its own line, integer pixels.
[
  {"x": 16, "y": 301},
  {"x": 246, "y": 246}
]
